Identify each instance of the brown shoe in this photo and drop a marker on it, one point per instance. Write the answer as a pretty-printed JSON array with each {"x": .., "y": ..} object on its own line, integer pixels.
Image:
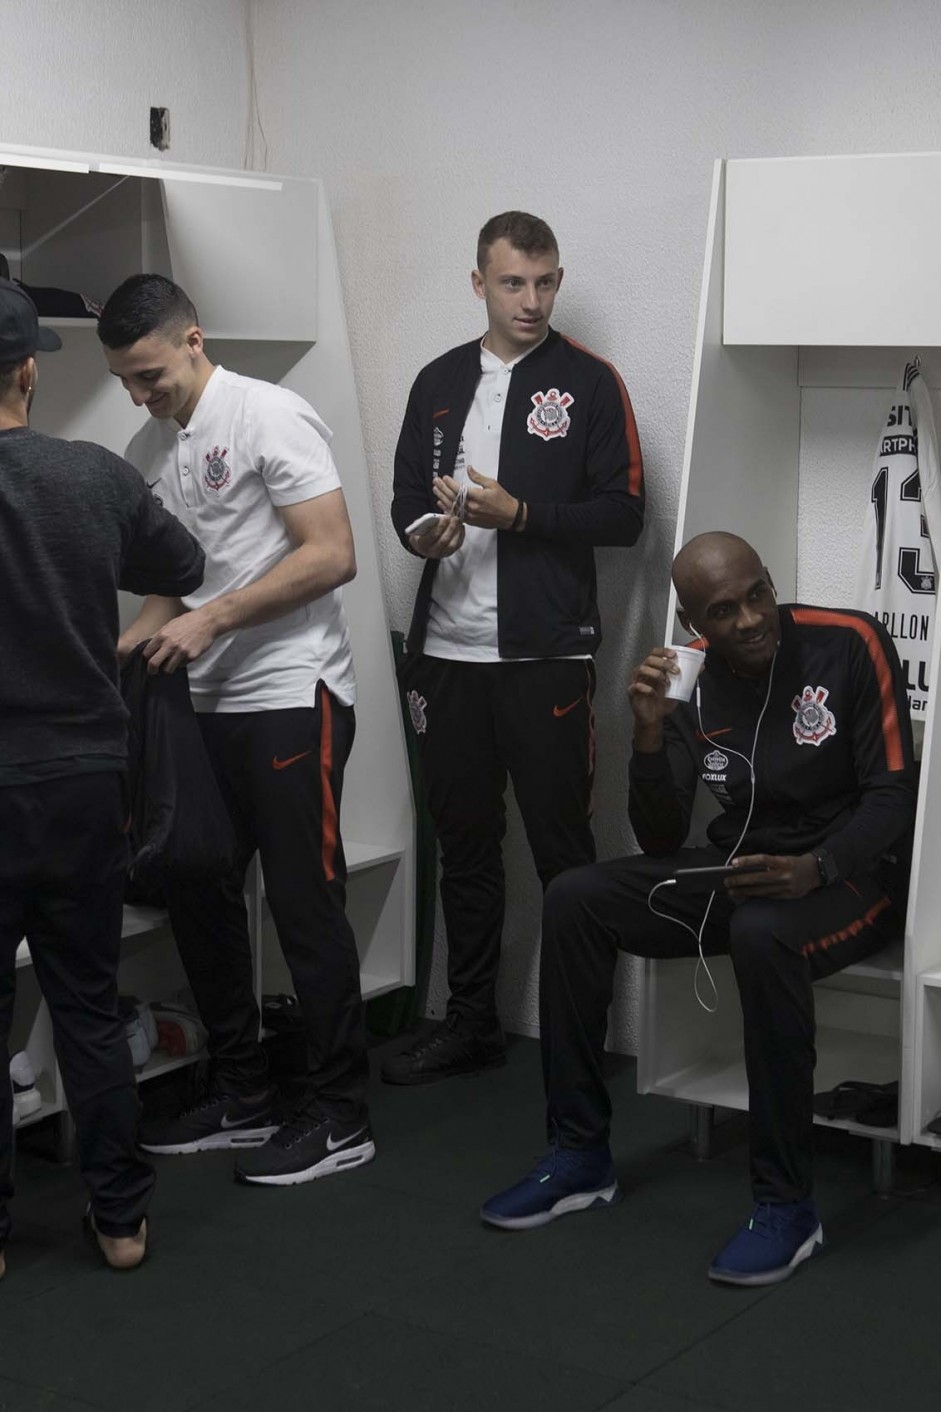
[{"x": 121, "y": 1252}]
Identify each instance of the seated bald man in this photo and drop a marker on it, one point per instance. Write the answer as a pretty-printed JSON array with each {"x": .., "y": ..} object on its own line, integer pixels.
[{"x": 815, "y": 697}]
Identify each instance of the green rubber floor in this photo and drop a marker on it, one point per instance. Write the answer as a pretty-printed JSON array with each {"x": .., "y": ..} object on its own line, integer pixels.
[{"x": 380, "y": 1290}]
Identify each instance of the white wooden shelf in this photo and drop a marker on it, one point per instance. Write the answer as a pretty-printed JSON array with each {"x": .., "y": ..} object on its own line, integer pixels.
[
  {"x": 719, "y": 1078},
  {"x": 369, "y": 855},
  {"x": 48, "y": 1110},
  {"x": 784, "y": 313},
  {"x": 360, "y": 857},
  {"x": 373, "y": 986},
  {"x": 162, "y": 1063},
  {"x": 85, "y": 222},
  {"x": 139, "y": 919},
  {"x": 886, "y": 965}
]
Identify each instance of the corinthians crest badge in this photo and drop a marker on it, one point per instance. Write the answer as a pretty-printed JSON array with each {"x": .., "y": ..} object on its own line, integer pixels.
[
  {"x": 416, "y": 709},
  {"x": 813, "y": 722},
  {"x": 218, "y": 473},
  {"x": 550, "y": 413}
]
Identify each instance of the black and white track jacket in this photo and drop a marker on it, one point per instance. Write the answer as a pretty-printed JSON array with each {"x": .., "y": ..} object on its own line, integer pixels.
[
  {"x": 833, "y": 761},
  {"x": 570, "y": 449}
]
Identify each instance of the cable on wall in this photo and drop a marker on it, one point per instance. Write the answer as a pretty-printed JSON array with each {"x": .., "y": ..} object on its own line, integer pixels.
[{"x": 255, "y": 140}]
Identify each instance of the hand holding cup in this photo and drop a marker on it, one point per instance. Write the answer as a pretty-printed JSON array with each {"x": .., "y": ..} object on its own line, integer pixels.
[{"x": 666, "y": 676}]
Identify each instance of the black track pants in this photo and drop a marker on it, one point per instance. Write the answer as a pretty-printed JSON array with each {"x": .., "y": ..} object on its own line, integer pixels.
[
  {"x": 63, "y": 867},
  {"x": 477, "y": 723},
  {"x": 778, "y": 949},
  {"x": 281, "y": 776}
]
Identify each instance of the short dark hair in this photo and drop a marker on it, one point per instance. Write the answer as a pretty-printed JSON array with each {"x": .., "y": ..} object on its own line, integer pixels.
[
  {"x": 142, "y": 305},
  {"x": 524, "y": 232},
  {"x": 8, "y": 372}
]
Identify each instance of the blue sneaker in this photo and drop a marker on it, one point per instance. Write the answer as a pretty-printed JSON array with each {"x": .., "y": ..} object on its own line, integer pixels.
[
  {"x": 566, "y": 1179},
  {"x": 771, "y": 1245}
]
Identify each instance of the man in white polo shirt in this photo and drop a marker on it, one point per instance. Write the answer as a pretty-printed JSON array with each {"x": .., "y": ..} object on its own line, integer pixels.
[
  {"x": 246, "y": 466},
  {"x": 526, "y": 443}
]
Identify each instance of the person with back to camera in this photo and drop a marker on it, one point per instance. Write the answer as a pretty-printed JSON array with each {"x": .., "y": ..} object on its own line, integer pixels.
[
  {"x": 247, "y": 465},
  {"x": 517, "y": 456},
  {"x": 800, "y": 729},
  {"x": 76, "y": 524}
]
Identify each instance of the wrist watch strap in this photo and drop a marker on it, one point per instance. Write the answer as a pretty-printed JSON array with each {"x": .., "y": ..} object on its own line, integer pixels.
[{"x": 826, "y": 867}]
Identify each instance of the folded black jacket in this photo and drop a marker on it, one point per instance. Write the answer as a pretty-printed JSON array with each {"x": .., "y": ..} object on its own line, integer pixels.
[{"x": 179, "y": 826}]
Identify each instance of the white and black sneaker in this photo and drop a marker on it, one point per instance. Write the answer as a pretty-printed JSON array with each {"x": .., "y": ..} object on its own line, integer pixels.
[
  {"x": 217, "y": 1120},
  {"x": 27, "y": 1099},
  {"x": 135, "y": 1030},
  {"x": 312, "y": 1144}
]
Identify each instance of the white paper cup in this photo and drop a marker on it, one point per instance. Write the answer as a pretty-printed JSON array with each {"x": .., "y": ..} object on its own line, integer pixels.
[{"x": 690, "y": 662}]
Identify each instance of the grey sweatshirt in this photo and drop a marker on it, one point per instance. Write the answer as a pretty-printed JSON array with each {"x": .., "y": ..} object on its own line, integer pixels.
[{"x": 77, "y": 523}]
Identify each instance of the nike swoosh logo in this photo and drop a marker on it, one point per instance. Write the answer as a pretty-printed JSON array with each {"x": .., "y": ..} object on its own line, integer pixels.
[
  {"x": 724, "y": 730},
  {"x": 239, "y": 1122},
  {"x": 564, "y": 710},
  {"x": 152, "y": 483},
  {"x": 332, "y": 1146},
  {"x": 277, "y": 764}
]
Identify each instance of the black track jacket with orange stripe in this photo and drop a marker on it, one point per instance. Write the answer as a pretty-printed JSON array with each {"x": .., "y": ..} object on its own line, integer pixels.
[
  {"x": 579, "y": 469},
  {"x": 833, "y": 763}
]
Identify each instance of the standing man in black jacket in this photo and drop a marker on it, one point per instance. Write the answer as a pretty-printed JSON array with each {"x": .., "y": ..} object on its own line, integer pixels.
[
  {"x": 800, "y": 730},
  {"x": 525, "y": 445},
  {"x": 76, "y": 524}
]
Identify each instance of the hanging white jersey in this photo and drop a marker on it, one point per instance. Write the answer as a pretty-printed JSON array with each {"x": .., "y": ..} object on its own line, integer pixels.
[
  {"x": 929, "y": 469},
  {"x": 897, "y": 574}
]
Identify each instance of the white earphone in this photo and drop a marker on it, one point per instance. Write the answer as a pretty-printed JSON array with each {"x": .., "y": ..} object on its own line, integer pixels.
[{"x": 749, "y": 760}]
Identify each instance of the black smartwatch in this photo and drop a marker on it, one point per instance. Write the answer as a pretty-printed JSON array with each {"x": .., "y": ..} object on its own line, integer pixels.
[{"x": 826, "y": 867}]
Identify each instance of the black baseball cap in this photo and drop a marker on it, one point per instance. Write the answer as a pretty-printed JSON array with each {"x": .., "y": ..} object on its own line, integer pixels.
[{"x": 20, "y": 334}]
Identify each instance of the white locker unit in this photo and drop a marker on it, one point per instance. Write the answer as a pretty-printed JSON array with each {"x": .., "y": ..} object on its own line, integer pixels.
[
  {"x": 256, "y": 254},
  {"x": 810, "y": 294}
]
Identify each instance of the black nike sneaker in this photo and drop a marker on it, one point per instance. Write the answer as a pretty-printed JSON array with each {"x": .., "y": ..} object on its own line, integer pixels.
[
  {"x": 312, "y": 1144},
  {"x": 217, "y": 1120},
  {"x": 447, "y": 1049}
]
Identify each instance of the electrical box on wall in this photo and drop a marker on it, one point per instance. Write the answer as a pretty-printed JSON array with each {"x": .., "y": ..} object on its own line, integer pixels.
[{"x": 160, "y": 128}]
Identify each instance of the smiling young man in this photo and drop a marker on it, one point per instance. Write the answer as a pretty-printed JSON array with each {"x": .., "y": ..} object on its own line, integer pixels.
[
  {"x": 539, "y": 436},
  {"x": 246, "y": 466},
  {"x": 800, "y": 730}
]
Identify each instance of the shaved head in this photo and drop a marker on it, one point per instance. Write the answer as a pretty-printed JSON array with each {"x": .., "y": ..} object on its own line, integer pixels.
[
  {"x": 728, "y": 597},
  {"x": 707, "y": 560}
]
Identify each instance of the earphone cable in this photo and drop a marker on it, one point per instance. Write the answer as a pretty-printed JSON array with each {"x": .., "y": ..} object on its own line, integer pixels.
[{"x": 701, "y": 963}]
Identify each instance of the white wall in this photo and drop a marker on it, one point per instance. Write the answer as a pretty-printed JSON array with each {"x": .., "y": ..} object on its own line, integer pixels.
[
  {"x": 83, "y": 74},
  {"x": 425, "y": 119},
  {"x": 603, "y": 117}
]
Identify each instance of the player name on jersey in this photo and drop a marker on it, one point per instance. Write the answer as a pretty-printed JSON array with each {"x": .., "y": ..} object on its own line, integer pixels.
[
  {"x": 916, "y": 627},
  {"x": 897, "y": 575}
]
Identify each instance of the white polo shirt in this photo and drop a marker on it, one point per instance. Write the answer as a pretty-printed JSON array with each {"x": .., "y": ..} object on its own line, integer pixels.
[{"x": 249, "y": 448}]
